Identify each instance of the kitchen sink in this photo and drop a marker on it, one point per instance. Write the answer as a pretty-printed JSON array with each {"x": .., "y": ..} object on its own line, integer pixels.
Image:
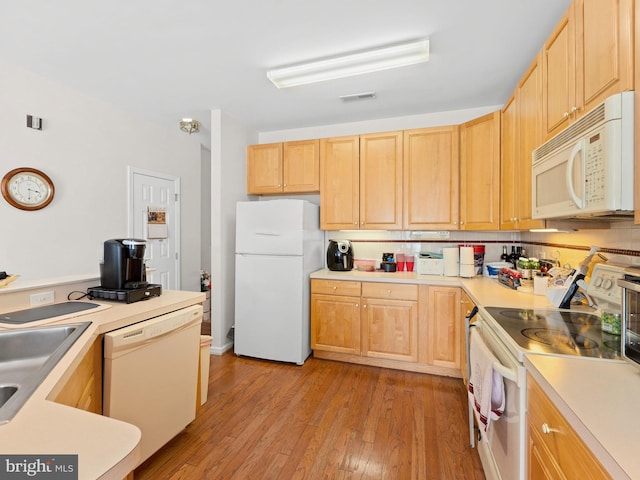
[
  {"x": 26, "y": 358},
  {"x": 6, "y": 391}
]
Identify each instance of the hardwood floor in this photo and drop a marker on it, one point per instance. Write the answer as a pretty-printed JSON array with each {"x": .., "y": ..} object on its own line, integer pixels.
[{"x": 322, "y": 420}]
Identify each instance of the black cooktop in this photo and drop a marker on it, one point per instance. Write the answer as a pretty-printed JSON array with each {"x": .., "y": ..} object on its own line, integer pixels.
[{"x": 560, "y": 332}]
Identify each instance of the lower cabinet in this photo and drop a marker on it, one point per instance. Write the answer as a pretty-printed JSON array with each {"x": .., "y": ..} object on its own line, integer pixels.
[
  {"x": 554, "y": 449},
  {"x": 83, "y": 389},
  {"x": 390, "y": 321},
  {"x": 335, "y": 316},
  {"x": 403, "y": 326}
]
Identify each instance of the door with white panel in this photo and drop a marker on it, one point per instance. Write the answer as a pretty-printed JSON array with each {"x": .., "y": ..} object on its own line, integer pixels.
[{"x": 157, "y": 192}]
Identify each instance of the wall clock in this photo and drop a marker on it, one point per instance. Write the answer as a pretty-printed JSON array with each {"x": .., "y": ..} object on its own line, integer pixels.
[{"x": 27, "y": 188}]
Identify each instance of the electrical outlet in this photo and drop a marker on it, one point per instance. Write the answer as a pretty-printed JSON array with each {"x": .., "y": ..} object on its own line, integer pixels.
[{"x": 40, "y": 299}]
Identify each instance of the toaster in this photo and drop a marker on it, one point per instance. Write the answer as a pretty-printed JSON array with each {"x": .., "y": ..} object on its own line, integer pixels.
[{"x": 430, "y": 266}]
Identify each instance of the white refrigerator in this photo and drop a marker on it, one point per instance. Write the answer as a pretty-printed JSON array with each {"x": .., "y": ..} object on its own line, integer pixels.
[{"x": 278, "y": 244}]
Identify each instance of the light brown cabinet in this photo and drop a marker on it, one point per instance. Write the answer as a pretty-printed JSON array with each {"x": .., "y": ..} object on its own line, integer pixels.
[
  {"x": 480, "y": 173},
  {"x": 361, "y": 182},
  {"x": 390, "y": 321},
  {"x": 402, "y": 326},
  {"x": 381, "y": 181},
  {"x": 521, "y": 134},
  {"x": 431, "y": 178},
  {"x": 340, "y": 183},
  {"x": 444, "y": 326},
  {"x": 335, "y": 316},
  {"x": 289, "y": 167},
  {"x": 83, "y": 388},
  {"x": 555, "y": 451},
  {"x": 588, "y": 57}
]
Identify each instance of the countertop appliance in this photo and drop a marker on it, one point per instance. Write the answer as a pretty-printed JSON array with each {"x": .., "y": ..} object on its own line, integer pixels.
[
  {"x": 151, "y": 375},
  {"x": 123, "y": 272},
  {"x": 430, "y": 266},
  {"x": 510, "y": 333},
  {"x": 278, "y": 245},
  {"x": 630, "y": 329},
  {"x": 340, "y": 255},
  {"x": 584, "y": 170}
]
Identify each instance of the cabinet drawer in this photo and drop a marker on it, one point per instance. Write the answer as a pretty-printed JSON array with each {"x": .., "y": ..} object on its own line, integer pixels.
[
  {"x": 564, "y": 445},
  {"x": 335, "y": 287},
  {"x": 395, "y": 291}
]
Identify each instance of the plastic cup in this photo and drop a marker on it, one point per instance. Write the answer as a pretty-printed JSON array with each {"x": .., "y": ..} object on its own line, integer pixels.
[
  {"x": 399, "y": 262},
  {"x": 410, "y": 260}
]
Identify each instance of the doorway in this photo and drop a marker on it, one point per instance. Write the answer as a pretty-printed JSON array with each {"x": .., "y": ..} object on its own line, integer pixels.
[{"x": 154, "y": 215}]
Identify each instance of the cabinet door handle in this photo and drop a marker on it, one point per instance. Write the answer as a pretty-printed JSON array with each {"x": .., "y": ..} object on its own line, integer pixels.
[
  {"x": 546, "y": 429},
  {"x": 335, "y": 288},
  {"x": 565, "y": 115}
]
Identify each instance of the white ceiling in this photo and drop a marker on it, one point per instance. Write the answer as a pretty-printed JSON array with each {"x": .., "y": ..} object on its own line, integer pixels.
[{"x": 167, "y": 59}]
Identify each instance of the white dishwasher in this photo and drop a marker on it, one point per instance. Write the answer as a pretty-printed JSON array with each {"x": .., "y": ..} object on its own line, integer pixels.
[{"x": 151, "y": 375}]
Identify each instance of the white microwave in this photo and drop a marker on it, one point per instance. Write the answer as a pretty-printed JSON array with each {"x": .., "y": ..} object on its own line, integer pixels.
[{"x": 587, "y": 169}]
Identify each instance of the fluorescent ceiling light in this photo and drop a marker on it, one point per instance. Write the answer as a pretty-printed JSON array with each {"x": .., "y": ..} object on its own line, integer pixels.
[{"x": 352, "y": 64}]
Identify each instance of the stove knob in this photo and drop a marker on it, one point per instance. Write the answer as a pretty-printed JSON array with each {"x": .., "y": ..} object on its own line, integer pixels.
[
  {"x": 607, "y": 284},
  {"x": 597, "y": 282}
]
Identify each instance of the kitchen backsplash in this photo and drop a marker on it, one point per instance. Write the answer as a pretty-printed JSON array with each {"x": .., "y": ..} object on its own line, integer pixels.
[{"x": 619, "y": 244}]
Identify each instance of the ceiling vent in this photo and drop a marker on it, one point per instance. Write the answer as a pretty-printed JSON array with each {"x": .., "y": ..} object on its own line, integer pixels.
[{"x": 358, "y": 96}]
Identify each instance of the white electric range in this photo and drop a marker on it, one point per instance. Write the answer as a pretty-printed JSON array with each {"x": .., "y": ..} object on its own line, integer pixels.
[{"x": 511, "y": 333}]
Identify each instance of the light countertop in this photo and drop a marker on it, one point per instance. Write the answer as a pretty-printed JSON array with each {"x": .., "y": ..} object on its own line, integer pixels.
[
  {"x": 107, "y": 448},
  {"x": 599, "y": 400},
  {"x": 484, "y": 291}
]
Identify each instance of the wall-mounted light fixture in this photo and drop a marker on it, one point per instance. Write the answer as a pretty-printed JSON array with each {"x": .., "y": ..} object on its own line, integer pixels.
[
  {"x": 189, "y": 125},
  {"x": 373, "y": 60}
]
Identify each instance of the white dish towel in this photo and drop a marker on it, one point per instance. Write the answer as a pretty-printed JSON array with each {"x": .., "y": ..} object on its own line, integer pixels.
[{"x": 486, "y": 386}]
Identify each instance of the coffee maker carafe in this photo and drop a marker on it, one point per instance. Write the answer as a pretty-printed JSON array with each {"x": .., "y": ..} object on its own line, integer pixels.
[{"x": 123, "y": 267}]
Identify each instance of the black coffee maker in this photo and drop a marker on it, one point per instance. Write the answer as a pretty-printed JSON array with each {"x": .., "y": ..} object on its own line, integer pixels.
[
  {"x": 340, "y": 255},
  {"x": 124, "y": 266}
]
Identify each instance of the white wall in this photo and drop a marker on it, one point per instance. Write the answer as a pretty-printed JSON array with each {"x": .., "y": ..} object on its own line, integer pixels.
[
  {"x": 229, "y": 140},
  {"x": 379, "y": 125},
  {"x": 205, "y": 214},
  {"x": 85, "y": 147}
]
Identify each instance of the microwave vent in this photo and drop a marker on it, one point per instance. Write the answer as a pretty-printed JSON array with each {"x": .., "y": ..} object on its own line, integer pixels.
[{"x": 611, "y": 109}]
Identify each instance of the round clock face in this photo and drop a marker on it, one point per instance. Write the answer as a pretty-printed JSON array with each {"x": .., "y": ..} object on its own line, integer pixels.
[{"x": 27, "y": 188}]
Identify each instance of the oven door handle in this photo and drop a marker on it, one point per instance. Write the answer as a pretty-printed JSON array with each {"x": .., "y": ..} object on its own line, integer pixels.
[
  {"x": 506, "y": 372},
  {"x": 633, "y": 286},
  {"x": 467, "y": 327}
]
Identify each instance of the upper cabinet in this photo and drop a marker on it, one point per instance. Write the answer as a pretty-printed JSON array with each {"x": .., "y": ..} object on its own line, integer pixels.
[
  {"x": 290, "y": 167},
  {"x": 431, "y": 178},
  {"x": 521, "y": 134},
  {"x": 480, "y": 173},
  {"x": 508, "y": 165},
  {"x": 360, "y": 182},
  {"x": 588, "y": 57},
  {"x": 264, "y": 168},
  {"x": 381, "y": 181},
  {"x": 340, "y": 183}
]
